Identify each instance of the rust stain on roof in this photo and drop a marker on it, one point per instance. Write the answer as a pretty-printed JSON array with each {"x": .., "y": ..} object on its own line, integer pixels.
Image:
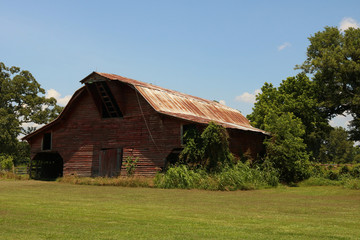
[{"x": 185, "y": 106}]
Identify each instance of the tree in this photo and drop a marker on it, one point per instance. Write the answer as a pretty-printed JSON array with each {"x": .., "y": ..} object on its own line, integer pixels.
[
  {"x": 295, "y": 95},
  {"x": 20, "y": 103},
  {"x": 286, "y": 150},
  {"x": 337, "y": 148},
  {"x": 333, "y": 57}
]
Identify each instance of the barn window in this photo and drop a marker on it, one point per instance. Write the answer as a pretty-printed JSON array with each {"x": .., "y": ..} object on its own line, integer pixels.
[
  {"x": 109, "y": 107},
  {"x": 46, "y": 143}
]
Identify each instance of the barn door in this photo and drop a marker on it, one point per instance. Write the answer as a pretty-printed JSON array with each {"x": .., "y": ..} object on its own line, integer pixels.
[{"x": 110, "y": 162}]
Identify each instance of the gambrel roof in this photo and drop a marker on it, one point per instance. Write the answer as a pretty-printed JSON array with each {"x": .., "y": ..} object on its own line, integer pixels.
[
  {"x": 171, "y": 103},
  {"x": 184, "y": 106}
]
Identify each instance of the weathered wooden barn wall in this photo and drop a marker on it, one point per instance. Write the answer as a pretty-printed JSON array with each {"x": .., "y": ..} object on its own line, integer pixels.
[{"x": 245, "y": 142}]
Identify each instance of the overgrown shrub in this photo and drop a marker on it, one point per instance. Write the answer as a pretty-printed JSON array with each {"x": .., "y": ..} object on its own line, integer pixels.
[
  {"x": 355, "y": 171},
  {"x": 216, "y": 147},
  {"x": 177, "y": 177},
  {"x": 193, "y": 152},
  {"x": 6, "y": 162},
  {"x": 210, "y": 149},
  {"x": 352, "y": 183},
  {"x": 237, "y": 177},
  {"x": 332, "y": 174},
  {"x": 320, "y": 181},
  {"x": 344, "y": 170}
]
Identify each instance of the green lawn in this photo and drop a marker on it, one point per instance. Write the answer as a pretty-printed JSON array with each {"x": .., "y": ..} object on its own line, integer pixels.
[{"x": 51, "y": 210}]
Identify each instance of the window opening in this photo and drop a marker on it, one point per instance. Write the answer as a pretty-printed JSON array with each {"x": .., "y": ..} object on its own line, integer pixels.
[
  {"x": 109, "y": 107},
  {"x": 46, "y": 144}
]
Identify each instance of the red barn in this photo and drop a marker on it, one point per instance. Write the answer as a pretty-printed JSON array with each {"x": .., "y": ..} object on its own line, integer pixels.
[{"x": 112, "y": 117}]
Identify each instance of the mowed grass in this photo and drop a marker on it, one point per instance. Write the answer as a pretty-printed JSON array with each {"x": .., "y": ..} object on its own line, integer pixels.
[{"x": 52, "y": 210}]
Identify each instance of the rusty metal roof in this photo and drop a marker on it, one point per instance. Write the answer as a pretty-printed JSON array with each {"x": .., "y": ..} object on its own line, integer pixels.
[{"x": 185, "y": 106}]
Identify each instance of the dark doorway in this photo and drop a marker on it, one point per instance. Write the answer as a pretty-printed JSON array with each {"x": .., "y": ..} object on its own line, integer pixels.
[
  {"x": 46, "y": 166},
  {"x": 172, "y": 158},
  {"x": 110, "y": 161}
]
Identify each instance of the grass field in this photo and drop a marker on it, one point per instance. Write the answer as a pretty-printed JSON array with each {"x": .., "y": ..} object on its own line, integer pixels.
[{"x": 52, "y": 210}]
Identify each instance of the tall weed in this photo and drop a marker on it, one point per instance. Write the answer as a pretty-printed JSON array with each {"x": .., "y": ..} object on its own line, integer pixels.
[{"x": 238, "y": 177}]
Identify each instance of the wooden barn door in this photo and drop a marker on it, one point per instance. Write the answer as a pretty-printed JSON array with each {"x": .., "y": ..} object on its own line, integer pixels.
[{"x": 110, "y": 162}]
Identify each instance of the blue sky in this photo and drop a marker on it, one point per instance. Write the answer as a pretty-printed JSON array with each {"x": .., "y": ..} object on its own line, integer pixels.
[{"x": 218, "y": 50}]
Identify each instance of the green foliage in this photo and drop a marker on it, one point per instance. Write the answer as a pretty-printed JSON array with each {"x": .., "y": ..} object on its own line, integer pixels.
[
  {"x": 333, "y": 57},
  {"x": 20, "y": 103},
  {"x": 177, "y": 177},
  {"x": 295, "y": 95},
  {"x": 286, "y": 149},
  {"x": 6, "y": 162},
  {"x": 320, "y": 181},
  {"x": 216, "y": 147},
  {"x": 337, "y": 148},
  {"x": 193, "y": 152},
  {"x": 355, "y": 171},
  {"x": 334, "y": 175},
  {"x": 210, "y": 149},
  {"x": 353, "y": 183},
  {"x": 130, "y": 165},
  {"x": 237, "y": 177}
]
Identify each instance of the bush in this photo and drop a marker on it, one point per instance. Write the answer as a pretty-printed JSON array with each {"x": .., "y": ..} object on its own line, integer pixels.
[
  {"x": 238, "y": 177},
  {"x": 355, "y": 171},
  {"x": 344, "y": 170},
  {"x": 177, "y": 177},
  {"x": 332, "y": 175},
  {"x": 320, "y": 181},
  {"x": 317, "y": 171},
  {"x": 6, "y": 162},
  {"x": 353, "y": 183}
]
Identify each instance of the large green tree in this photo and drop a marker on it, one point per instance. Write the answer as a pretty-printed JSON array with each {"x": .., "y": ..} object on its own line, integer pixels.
[
  {"x": 21, "y": 101},
  {"x": 295, "y": 95},
  {"x": 333, "y": 57}
]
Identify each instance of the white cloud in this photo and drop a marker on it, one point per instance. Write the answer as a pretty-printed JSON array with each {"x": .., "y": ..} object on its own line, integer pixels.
[
  {"x": 248, "y": 97},
  {"x": 62, "y": 101},
  {"x": 222, "y": 102},
  {"x": 348, "y": 22},
  {"x": 284, "y": 45}
]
